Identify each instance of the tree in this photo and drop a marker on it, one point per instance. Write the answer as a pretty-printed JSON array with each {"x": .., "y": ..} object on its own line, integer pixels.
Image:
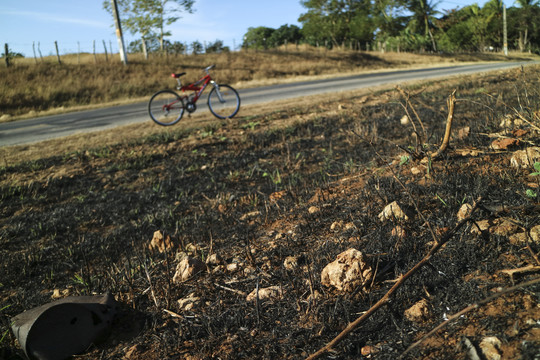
[
  {"x": 197, "y": 48},
  {"x": 388, "y": 17},
  {"x": 150, "y": 17},
  {"x": 422, "y": 19},
  {"x": 285, "y": 34},
  {"x": 258, "y": 38},
  {"x": 217, "y": 48},
  {"x": 525, "y": 23},
  {"x": 336, "y": 21}
]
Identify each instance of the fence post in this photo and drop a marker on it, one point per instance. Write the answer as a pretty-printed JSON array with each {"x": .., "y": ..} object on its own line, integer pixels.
[
  {"x": 57, "y": 53},
  {"x": 6, "y": 54},
  {"x": 105, "y": 48},
  {"x": 34, "y": 50},
  {"x": 39, "y": 51}
]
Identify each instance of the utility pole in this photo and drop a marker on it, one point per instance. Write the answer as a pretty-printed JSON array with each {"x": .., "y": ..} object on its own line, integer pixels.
[
  {"x": 505, "y": 35},
  {"x": 119, "y": 36}
]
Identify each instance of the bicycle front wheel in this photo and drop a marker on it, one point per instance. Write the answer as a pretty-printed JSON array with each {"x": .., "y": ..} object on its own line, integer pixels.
[
  {"x": 224, "y": 102},
  {"x": 166, "y": 107}
]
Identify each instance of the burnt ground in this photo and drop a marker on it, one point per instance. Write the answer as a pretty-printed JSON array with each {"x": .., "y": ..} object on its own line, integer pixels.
[{"x": 306, "y": 180}]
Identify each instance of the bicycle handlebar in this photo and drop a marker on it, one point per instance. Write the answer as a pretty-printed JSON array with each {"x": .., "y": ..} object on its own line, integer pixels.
[{"x": 208, "y": 68}]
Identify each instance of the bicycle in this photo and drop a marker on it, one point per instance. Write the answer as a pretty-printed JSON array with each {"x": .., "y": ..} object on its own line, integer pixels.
[{"x": 166, "y": 107}]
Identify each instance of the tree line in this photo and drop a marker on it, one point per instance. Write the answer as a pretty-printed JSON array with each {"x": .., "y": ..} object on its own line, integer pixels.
[{"x": 406, "y": 25}]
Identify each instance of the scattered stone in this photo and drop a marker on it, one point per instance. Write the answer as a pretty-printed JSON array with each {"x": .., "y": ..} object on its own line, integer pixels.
[
  {"x": 464, "y": 212},
  {"x": 418, "y": 312},
  {"x": 509, "y": 122},
  {"x": 504, "y": 144},
  {"x": 393, "y": 211},
  {"x": 160, "y": 242},
  {"x": 369, "y": 350},
  {"x": 417, "y": 170},
  {"x": 313, "y": 210},
  {"x": 214, "y": 259},
  {"x": 232, "y": 267},
  {"x": 499, "y": 226},
  {"x": 291, "y": 263},
  {"x": 522, "y": 238},
  {"x": 347, "y": 272},
  {"x": 187, "y": 268},
  {"x": 336, "y": 225},
  {"x": 404, "y": 120},
  {"x": 350, "y": 226},
  {"x": 490, "y": 347},
  {"x": 398, "y": 231},
  {"x": 188, "y": 302},
  {"x": 60, "y": 294},
  {"x": 269, "y": 293},
  {"x": 463, "y": 133},
  {"x": 525, "y": 158},
  {"x": 274, "y": 197}
]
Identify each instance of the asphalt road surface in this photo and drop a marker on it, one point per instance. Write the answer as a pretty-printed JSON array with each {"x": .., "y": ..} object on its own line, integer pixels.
[{"x": 49, "y": 127}]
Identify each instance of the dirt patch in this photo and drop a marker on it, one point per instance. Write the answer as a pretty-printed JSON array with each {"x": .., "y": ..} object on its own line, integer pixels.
[{"x": 267, "y": 201}]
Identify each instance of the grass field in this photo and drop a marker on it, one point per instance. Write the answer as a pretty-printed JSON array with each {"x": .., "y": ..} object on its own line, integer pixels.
[{"x": 28, "y": 89}]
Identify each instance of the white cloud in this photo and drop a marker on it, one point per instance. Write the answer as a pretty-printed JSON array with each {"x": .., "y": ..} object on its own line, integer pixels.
[{"x": 55, "y": 18}]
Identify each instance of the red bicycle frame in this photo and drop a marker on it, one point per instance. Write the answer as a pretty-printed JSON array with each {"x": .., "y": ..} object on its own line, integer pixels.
[{"x": 205, "y": 80}]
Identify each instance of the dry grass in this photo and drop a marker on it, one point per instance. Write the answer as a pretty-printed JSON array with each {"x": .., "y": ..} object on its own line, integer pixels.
[{"x": 28, "y": 89}]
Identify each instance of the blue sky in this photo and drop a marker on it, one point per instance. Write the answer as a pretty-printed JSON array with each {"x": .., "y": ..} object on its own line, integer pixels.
[{"x": 75, "y": 23}]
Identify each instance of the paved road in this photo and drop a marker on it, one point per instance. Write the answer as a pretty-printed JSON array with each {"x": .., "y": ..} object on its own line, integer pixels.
[{"x": 48, "y": 127}]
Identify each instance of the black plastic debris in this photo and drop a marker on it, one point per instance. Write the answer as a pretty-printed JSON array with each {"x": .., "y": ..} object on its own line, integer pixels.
[{"x": 64, "y": 327}]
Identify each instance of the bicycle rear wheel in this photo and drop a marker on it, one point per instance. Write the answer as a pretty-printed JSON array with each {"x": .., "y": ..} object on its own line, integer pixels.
[
  {"x": 166, "y": 107},
  {"x": 225, "y": 104}
]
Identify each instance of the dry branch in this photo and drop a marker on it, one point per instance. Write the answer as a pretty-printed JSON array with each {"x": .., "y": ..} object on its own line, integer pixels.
[
  {"x": 352, "y": 326},
  {"x": 469, "y": 308},
  {"x": 408, "y": 103},
  {"x": 451, "y": 102}
]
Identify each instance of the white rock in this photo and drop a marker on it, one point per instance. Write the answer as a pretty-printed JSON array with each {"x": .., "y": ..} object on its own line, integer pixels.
[
  {"x": 490, "y": 347},
  {"x": 418, "y": 312},
  {"x": 525, "y": 158},
  {"x": 290, "y": 263},
  {"x": 348, "y": 271},
  {"x": 187, "y": 268},
  {"x": 272, "y": 292},
  {"x": 464, "y": 211},
  {"x": 313, "y": 210},
  {"x": 393, "y": 211}
]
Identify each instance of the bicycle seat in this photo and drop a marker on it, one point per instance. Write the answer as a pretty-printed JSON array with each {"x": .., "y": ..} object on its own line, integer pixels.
[{"x": 176, "y": 76}]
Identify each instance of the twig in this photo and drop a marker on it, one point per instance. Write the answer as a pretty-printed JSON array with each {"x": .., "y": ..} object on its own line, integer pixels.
[
  {"x": 239, "y": 292},
  {"x": 436, "y": 246},
  {"x": 451, "y": 102},
  {"x": 406, "y": 95},
  {"x": 533, "y": 254},
  {"x": 521, "y": 270},
  {"x": 469, "y": 308},
  {"x": 151, "y": 287},
  {"x": 173, "y": 314}
]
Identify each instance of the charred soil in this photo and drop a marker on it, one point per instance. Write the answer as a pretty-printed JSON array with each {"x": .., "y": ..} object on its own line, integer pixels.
[{"x": 268, "y": 200}]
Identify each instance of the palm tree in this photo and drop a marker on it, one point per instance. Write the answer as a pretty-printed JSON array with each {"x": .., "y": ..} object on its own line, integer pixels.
[
  {"x": 422, "y": 19},
  {"x": 526, "y": 6}
]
